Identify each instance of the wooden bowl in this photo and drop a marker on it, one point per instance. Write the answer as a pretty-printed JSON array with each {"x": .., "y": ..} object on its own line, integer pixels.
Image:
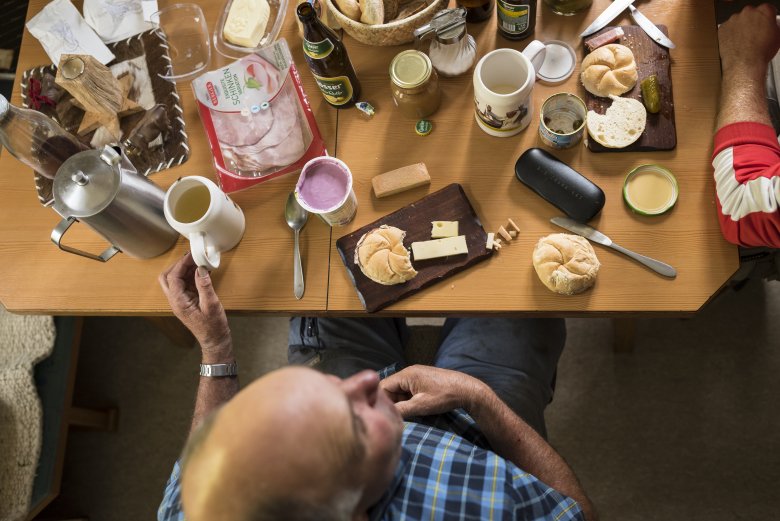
[{"x": 393, "y": 33}]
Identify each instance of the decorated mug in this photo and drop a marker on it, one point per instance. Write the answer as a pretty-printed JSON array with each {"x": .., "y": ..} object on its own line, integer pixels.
[
  {"x": 503, "y": 82},
  {"x": 196, "y": 208}
]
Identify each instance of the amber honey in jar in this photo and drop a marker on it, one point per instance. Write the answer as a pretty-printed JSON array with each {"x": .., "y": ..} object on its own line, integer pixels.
[{"x": 414, "y": 84}]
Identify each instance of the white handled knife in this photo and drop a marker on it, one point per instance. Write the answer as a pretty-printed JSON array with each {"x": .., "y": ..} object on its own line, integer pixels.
[
  {"x": 650, "y": 28},
  {"x": 596, "y": 236},
  {"x": 607, "y": 16}
]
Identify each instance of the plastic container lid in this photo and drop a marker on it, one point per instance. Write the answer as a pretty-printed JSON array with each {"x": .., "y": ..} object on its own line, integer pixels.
[
  {"x": 410, "y": 69},
  {"x": 559, "y": 62}
]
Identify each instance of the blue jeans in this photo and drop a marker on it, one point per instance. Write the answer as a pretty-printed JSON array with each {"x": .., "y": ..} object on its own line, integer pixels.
[{"x": 516, "y": 357}]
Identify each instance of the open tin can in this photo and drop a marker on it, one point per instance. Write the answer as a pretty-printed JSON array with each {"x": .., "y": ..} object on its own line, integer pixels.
[{"x": 562, "y": 120}]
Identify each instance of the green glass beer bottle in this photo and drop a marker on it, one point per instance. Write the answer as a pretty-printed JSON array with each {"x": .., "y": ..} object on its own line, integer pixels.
[{"x": 328, "y": 60}]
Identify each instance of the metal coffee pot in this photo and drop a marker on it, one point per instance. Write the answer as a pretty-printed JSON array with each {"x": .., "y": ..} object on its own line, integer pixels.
[{"x": 103, "y": 190}]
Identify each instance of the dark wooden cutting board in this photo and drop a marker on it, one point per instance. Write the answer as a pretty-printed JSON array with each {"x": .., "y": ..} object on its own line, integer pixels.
[
  {"x": 448, "y": 204},
  {"x": 651, "y": 58}
]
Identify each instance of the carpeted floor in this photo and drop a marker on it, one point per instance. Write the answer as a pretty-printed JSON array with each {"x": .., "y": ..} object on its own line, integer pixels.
[{"x": 683, "y": 428}]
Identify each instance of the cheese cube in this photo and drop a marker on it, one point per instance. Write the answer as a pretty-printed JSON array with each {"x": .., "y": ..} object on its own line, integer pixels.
[
  {"x": 436, "y": 248},
  {"x": 246, "y": 22},
  {"x": 442, "y": 229},
  {"x": 489, "y": 244}
]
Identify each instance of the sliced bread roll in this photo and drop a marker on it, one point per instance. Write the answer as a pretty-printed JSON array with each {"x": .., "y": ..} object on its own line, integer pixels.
[
  {"x": 373, "y": 12},
  {"x": 622, "y": 124}
]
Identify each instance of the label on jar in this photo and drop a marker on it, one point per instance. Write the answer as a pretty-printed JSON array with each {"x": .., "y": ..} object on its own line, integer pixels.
[
  {"x": 317, "y": 50},
  {"x": 337, "y": 91},
  {"x": 512, "y": 18}
]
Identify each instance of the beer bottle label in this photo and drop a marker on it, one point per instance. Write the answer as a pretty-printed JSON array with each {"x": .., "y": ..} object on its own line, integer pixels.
[
  {"x": 337, "y": 90},
  {"x": 318, "y": 50},
  {"x": 512, "y": 18}
]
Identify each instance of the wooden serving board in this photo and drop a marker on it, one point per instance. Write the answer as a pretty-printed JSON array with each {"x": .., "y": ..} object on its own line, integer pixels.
[
  {"x": 448, "y": 204},
  {"x": 651, "y": 58}
]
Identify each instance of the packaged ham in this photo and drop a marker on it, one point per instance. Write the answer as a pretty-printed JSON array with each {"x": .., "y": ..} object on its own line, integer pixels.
[{"x": 257, "y": 118}]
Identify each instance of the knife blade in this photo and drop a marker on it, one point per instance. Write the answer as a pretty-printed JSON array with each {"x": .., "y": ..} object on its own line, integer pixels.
[
  {"x": 606, "y": 16},
  {"x": 650, "y": 28},
  {"x": 596, "y": 236}
]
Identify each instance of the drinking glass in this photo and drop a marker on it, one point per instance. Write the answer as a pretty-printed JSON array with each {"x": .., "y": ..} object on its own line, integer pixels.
[{"x": 568, "y": 7}]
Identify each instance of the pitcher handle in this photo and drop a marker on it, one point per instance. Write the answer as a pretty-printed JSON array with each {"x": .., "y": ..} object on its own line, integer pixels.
[
  {"x": 204, "y": 253},
  {"x": 59, "y": 231}
]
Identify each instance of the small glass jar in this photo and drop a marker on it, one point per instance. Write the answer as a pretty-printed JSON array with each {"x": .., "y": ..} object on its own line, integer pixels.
[
  {"x": 568, "y": 7},
  {"x": 414, "y": 84}
]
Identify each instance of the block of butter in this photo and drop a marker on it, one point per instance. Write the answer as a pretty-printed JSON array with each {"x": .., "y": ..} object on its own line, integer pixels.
[
  {"x": 436, "y": 248},
  {"x": 246, "y": 22},
  {"x": 401, "y": 179}
]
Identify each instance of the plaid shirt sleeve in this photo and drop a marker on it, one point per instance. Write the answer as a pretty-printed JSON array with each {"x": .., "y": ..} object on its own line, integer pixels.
[{"x": 170, "y": 508}]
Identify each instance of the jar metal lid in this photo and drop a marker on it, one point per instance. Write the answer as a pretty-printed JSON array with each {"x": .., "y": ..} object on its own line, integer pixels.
[{"x": 410, "y": 69}]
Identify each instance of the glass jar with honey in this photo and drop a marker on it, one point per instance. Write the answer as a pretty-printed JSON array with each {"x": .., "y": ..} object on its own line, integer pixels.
[{"x": 414, "y": 84}]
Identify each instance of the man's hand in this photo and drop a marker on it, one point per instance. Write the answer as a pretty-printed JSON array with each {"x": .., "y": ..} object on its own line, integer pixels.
[
  {"x": 423, "y": 391},
  {"x": 194, "y": 301},
  {"x": 749, "y": 40}
]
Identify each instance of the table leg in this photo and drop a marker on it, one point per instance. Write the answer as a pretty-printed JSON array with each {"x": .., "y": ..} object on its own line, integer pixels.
[
  {"x": 172, "y": 328},
  {"x": 624, "y": 330}
]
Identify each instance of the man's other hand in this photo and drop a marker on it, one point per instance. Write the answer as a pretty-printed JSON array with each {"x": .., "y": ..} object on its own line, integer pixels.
[
  {"x": 422, "y": 390},
  {"x": 194, "y": 301},
  {"x": 749, "y": 40}
]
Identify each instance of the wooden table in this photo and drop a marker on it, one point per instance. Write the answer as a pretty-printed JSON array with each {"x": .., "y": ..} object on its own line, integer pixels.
[{"x": 257, "y": 276}]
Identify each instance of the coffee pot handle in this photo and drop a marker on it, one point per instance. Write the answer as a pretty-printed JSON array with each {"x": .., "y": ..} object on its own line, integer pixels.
[
  {"x": 203, "y": 253},
  {"x": 59, "y": 231}
]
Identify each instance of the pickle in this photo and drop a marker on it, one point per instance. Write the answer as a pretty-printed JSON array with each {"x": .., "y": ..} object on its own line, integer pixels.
[{"x": 651, "y": 94}]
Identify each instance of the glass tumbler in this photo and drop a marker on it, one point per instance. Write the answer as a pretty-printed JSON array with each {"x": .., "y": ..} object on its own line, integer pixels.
[{"x": 568, "y": 7}]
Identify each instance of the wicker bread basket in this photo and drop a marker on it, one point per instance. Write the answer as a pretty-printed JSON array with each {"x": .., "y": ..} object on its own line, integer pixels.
[{"x": 393, "y": 33}]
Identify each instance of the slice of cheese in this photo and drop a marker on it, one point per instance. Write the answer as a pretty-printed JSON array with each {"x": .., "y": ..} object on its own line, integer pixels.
[
  {"x": 246, "y": 22},
  {"x": 440, "y": 229},
  {"x": 439, "y": 248},
  {"x": 489, "y": 244}
]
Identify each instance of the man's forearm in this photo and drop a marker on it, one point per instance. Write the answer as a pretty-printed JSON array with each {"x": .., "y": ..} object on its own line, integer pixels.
[
  {"x": 515, "y": 440},
  {"x": 743, "y": 96},
  {"x": 214, "y": 391}
]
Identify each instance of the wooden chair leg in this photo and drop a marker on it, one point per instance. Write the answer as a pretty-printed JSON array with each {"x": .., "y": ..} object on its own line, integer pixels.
[
  {"x": 94, "y": 419},
  {"x": 172, "y": 328},
  {"x": 624, "y": 334}
]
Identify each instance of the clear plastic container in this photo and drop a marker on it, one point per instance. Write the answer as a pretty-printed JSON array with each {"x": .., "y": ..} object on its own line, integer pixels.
[{"x": 272, "y": 30}]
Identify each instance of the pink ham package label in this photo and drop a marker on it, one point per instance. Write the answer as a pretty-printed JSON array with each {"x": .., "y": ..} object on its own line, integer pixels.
[{"x": 245, "y": 84}]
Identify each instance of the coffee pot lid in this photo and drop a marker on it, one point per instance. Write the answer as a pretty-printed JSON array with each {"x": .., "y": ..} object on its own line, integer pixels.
[{"x": 87, "y": 182}]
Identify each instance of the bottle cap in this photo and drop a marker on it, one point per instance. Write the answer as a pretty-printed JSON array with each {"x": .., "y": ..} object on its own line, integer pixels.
[{"x": 423, "y": 127}]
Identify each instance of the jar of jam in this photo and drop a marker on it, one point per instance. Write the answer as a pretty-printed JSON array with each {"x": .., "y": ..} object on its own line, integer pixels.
[{"x": 414, "y": 84}]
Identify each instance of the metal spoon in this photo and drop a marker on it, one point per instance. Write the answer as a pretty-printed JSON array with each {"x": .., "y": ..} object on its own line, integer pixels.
[{"x": 296, "y": 217}]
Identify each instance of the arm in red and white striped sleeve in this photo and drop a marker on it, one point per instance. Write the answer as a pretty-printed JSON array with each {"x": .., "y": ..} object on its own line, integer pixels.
[{"x": 746, "y": 164}]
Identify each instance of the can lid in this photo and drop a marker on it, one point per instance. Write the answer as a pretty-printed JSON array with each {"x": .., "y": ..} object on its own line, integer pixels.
[
  {"x": 558, "y": 64},
  {"x": 410, "y": 69},
  {"x": 86, "y": 183}
]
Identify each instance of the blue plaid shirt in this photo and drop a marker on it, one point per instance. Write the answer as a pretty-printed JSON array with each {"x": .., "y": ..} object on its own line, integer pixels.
[{"x": 446, "y": 471}]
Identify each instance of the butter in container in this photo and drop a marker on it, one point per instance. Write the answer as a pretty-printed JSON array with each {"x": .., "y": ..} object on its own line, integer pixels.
[
  {"x": 650, "y": 190},
  {"x": 246, "y": 26}
]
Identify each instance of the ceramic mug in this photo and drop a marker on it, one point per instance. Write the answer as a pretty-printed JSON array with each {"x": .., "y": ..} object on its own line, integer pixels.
[
  {"x": 503, "y": 82},
  {"x": 196, "y": 208}
]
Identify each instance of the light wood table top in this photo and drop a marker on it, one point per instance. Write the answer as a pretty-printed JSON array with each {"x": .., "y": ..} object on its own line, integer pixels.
[{"x": 257, "y": 275}]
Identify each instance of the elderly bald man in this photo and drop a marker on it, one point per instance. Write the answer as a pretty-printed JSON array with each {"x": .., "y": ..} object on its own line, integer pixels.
[{"x": 330, "y": 442}]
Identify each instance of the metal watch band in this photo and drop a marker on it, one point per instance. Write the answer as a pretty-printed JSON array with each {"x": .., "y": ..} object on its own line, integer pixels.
[{"x": 218, "y": 370}]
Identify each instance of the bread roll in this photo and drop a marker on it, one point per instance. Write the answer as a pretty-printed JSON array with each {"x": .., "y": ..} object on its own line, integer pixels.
[
  {"x": 350, "y": 8},
  {"x": 391, "y": 9},
  {"x": 373, "y": 12},
  {"x": 382, "y": 257},
  {"x": 565, "y": 263},
  {"x": 621, "y": 125},
  {"x": 609, "y": 70}
]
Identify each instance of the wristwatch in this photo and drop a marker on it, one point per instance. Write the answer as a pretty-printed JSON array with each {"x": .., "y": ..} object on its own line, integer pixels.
[{"x": 218, "y": 370}]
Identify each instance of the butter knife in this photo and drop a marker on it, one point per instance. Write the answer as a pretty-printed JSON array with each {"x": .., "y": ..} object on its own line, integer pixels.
[
  {"x": 609, "y": 14},
  {"x": 650, "y": 28},
  {"x": 596, "y": 236}
]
